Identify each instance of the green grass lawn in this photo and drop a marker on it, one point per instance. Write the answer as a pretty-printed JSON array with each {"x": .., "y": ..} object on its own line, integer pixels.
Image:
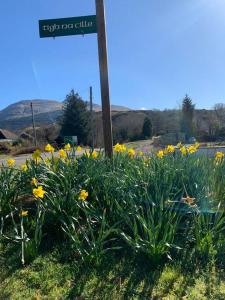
[{"x": 50, "y": 276}]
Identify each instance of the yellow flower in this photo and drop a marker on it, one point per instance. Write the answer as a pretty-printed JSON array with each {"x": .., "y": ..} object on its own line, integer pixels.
[
  {"x": 62, "y": 153},
  {"x": 191, "y": 149},
  {"x": 94, "y": 154},
  {"x": 23, "y": 167},
  {"x": 140, "y": 153},
  {"x": 170, "y": 149},
  {"x": 36, "y": 155},
  {"x": 160, "y": 154},
  {"x": 24, "y": 213},
  {"x": 79, "y": 148},
  {"x": 183, "y": 150},
  {"x": 87, "y": 153},
  {"x": 219, "y": 156},
  {"x": 118, "y": 148},
  {"x": 39, "y": 192},
  {"x": 10, "y": 162},
  {"x": 49, "y": 148},
  {"x": 67, "y": 147},
  {"x": 83, "y": 195},
  {"x": 131, "y": 152},
  {"x": 123, "y": 148},
  {"x": 179, "y": 145},
  {"x": 34, "y": 181}
]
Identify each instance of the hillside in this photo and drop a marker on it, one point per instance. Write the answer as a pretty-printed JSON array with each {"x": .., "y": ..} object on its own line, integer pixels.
[{"x": 18, "y": 115}]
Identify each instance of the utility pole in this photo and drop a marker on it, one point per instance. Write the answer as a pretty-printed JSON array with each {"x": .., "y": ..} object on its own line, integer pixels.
[
  {"x": 34, "y": 128},
  {"x": 92, "y": 119},
  {"x": 103, "y": 63}
]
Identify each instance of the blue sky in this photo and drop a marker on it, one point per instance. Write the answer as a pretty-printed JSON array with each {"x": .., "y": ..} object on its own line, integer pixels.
[{"x": 158, "y": 51}]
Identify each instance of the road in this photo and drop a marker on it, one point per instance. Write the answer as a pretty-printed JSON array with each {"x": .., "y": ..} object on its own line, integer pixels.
[{"x": 21, "y": 159}]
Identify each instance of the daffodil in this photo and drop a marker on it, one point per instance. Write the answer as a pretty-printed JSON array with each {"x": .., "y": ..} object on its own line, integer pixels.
[
  {"x": 191, "y": 149},
  {"x": 118, "y": 148},
  {"x": 49, "y": 148},
  {"x": 219, "y": 156},
  {"x": 34, "y": 181},
  {"x": 87, "y": 153},
  {"x": 160, "y": 154},
  {"x": 183, "y": 150},
  {"x": 131, "y": 152},
  {"x": 62, "y": 154},
  {"x": 94, "y": 154},
  {"x": 24, "y": 213},
  {"x": 170, "y": 149},
  {"x": 39, "y": 192},
  {"x": 140, "y": 153},
  {"x": 67, "y": 147},
  {"x": 79, "y": 148},
  {"x": 10, "y": 162},
  {"x": 123, "y": 148},
  {"x": 24, "y": 167},
  {"x": 83, "y": 195},
  {"x": 179, "y": 145},
  {"x": 36, "y": 155}
]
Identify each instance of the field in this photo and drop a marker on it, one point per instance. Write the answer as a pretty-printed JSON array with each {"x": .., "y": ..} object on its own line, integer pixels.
[{"x": 136, "y": 227}]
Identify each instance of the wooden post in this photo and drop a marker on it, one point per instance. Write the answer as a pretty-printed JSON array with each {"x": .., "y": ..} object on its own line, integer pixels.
[
  {"x": 103, "y": 64},
  {"x": 92, "y": 119},
  {"x": 34, "y": 128}
]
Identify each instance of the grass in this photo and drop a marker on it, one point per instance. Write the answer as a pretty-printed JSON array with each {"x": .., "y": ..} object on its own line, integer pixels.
[{"x": 49, "y": 276}]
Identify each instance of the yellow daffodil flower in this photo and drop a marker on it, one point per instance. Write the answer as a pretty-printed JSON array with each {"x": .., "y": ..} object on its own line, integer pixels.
[
  {"x": 170, "y": 149},
  {"x": 62, "y": 154},
  {"x": 11, "y": 162},
  {"x": 49, "y": 148},
  {"x": 183, "y": 150},
  {"x": 219, "y": 156},
  {"x": 123, "y": 148},
  {"x": 160, "y": 154},
  {"x": 24, "y": 213},
  {"x": 191, "y": 149},
  {"x": 94, "y": 154},
  {"x": 24, "y": 167},
  {"x": 39, "y": 192},
  {"x": 131, "y": 152},
  {"x": 34, "y": 181},
  {"x": 36, "y": 155},
  {"x": 83, "y": 195},
  {"x": 118, "y": 148},
  {"x": 79, "y": 148},
  {"x": 67, "y": 147}
]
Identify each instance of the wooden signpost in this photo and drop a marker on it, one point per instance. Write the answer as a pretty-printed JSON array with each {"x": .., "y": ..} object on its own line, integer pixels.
[{"x": 86, "y": 25}]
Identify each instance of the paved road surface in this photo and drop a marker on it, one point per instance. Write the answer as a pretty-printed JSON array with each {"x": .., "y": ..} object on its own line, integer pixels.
[{"x": 21, "y": 159}]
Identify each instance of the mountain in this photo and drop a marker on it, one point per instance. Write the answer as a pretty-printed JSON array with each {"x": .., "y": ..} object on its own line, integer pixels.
[{"x": 18, "y": 115}]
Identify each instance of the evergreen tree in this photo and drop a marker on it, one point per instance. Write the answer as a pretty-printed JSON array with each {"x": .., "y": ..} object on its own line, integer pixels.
[
  {"x": 75, "y": 118},
  {"x": 187, "y": 117},
  {"x": 147, "y": 128}
]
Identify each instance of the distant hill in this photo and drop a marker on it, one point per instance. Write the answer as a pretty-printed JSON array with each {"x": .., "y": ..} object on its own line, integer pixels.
[{"x": 18, "y": 115}]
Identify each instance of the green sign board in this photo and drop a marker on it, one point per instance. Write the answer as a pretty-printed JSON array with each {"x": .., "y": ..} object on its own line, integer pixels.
[{"x": 67, "y": 26}]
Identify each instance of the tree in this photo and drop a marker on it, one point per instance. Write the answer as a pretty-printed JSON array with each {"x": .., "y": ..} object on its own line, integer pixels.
[
  {"x": 147, "y": 128},
  {"x": 187, "y": 117},
  {"x": 75, "y": 118}
]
